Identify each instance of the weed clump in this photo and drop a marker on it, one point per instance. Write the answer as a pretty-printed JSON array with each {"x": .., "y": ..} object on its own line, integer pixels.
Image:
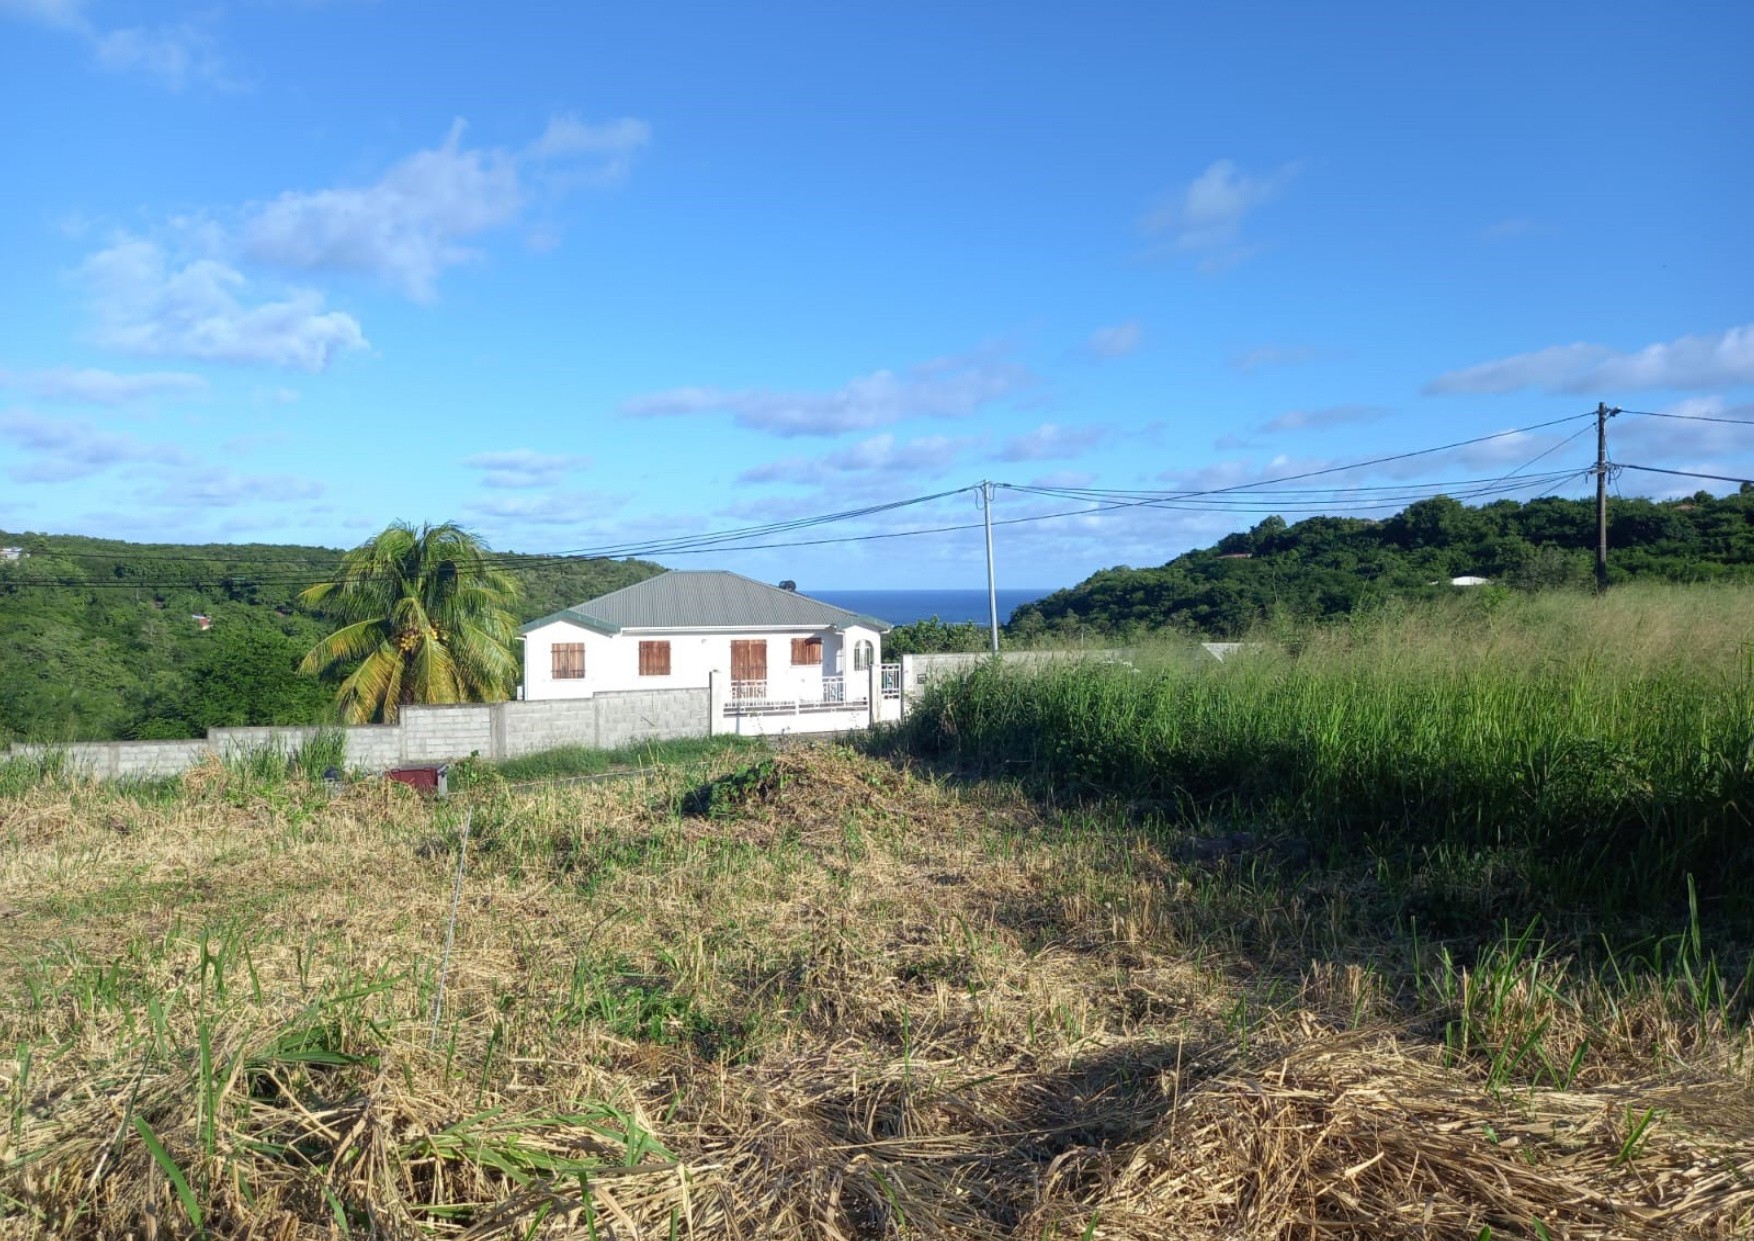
[
  {"x": 736, "y": 792},
  {"x": 1591, "y": 762}
]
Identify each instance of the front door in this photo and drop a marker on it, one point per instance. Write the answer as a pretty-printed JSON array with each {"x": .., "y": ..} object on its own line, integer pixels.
[{"x": 749, "y": 667}]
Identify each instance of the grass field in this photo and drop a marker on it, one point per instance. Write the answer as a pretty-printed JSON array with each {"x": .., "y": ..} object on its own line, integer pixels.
[
  {"x": 811, "y": 993},
  {"x": 1588, "y": 758}
]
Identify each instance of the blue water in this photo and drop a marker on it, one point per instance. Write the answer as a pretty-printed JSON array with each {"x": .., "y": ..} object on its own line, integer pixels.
[{"x": 903, "y": 607}]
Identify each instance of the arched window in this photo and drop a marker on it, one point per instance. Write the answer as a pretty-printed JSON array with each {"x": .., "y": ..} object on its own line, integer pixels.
[{"x": 862, "y": 654}]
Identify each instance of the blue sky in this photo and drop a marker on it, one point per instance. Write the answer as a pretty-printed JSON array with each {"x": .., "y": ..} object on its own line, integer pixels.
[{"x": 582, "y": 276}]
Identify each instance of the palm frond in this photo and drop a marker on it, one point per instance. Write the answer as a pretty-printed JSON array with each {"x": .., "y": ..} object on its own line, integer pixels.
[{"x": 427, "y": 616}]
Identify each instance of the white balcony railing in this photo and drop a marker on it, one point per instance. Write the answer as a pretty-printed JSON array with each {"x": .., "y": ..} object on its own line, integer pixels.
[{"x": 764, "y": 698}]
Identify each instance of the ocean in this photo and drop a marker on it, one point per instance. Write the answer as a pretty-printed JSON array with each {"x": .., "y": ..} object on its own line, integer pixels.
[{"x": 903, "y": 607}]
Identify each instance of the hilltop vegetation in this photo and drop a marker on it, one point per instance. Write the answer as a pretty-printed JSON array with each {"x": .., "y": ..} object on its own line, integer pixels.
[
  {"x": 1332, "y": 566},
  {"x": 98, "y": 640}
]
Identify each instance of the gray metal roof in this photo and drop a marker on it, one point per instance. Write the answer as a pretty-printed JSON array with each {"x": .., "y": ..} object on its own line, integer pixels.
[{"x": 706, "y": 599}]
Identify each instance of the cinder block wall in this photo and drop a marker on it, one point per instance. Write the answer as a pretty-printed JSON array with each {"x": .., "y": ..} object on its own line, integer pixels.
[
  {"x": 530, "y": 727},
  {"x": 435, "y": 734},
  {"x": 630, "y": 716},
  {"x": 425, "y": 734}
]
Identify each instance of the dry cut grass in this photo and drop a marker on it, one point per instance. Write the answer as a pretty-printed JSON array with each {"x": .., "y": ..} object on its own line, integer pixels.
[{"x": 803, "y": 995}]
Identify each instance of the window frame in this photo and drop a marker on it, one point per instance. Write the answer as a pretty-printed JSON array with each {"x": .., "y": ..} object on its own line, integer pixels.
[
  {"x": 559, "y": 670},
  {"x": 654, "y": 647}
]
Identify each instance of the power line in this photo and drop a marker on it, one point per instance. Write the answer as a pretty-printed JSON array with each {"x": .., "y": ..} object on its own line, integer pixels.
[
  {"x": 1652, "y": 469},
  {"x": 1355, "y": 465},
  {"x": 1259, "y": 495},
  {"x": 1734, "y": 422},
  {"x": 653, "y": 547},
  {"x": 690, "y": 544}
]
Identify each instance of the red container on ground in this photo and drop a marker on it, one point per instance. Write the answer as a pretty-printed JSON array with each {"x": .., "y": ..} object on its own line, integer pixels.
[{"x": 424, "y": 779}]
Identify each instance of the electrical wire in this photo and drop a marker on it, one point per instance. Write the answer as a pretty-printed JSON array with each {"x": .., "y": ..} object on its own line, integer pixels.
[
  {"x": 1355, "y": 465},
  {"x": 1720, "y": 478},
  {"x": 1402, "y": 496},
  {"x": 1258, "y": 496},
  {"x": 1734, "y": 422}
]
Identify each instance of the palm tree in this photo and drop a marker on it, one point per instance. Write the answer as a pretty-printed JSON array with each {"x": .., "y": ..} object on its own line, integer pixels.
[{"x": 426, "y": 615}]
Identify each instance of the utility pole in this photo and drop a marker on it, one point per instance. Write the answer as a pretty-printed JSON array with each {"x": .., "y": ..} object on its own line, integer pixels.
[
  {"x": 992, "y": 590},
  {"x": 1603, "y": 413}
]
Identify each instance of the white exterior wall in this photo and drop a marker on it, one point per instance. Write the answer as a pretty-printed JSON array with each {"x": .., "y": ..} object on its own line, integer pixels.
[{"x": 612, "y": 661}]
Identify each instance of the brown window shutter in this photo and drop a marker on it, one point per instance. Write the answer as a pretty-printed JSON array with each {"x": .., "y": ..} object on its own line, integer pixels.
[
  {"x": 568, "y": 661},
  {"x": 654, "y": 659},
  {"x": 806, "y": 650}
]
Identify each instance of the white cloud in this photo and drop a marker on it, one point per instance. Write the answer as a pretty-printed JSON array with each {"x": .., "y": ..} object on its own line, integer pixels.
[
  {"x": 411, "y": 224},
  {"x": 146, "y": 306},
  {"x": 523, "y": 468},
  {"x": 613, "y": 141},
  {"x": 1263, "y": 356},
  {"x": 556, "y": 508},
  {"x": 213, "y": 487},
  {"x": 1319, "y": 419},
  {"x": 1116, "y": 341},
  {"x": 1071, "y": 479},
  {"x": 98, "y": 387},
  {"x": 1205, "y": 219},
  {"x": 67, "y": 14},
  {"x": 173, "y": 54},
  {"x": 405, "y": 228},
  {"x": 1240, "y": 472},
  {"x": 925, "y": 457},
  {"x": 65, "y": 448},
  {"x": 1662, "y": 441},
  {"x": 1050, "y": 442},
  {"x": 1711, "y": 360},
  {"x": 945, "y": 388}
]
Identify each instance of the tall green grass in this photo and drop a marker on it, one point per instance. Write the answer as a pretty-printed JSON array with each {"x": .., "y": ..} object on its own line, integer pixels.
[{"x": 1602, "y": 749}]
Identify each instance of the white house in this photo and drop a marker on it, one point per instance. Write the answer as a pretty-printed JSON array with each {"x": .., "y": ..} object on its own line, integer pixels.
[{"x": 775, "y": 660}]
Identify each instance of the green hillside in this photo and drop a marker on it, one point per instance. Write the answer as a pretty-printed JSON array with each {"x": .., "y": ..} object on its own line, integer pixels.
[
  {"x": 98, "y": 637},
  {"x": 1329, "y": 566}
]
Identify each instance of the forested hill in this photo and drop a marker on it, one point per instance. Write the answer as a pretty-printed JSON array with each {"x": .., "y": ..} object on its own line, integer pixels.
[
  {"x": 98, "y": 637},
  {"x": 1327, "y": 566}
]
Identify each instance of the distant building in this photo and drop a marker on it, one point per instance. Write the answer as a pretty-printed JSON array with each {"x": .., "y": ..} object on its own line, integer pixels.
[
  {"x": 13, "y": 553},
  {"x": 203, "y": 622},
  {"x": 784, "y": 661}
]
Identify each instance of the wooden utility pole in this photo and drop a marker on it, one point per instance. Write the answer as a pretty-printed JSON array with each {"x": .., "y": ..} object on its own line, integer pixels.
[
  {"x": 1603, "y": 413},
  {"x": 992, "y": 591}
]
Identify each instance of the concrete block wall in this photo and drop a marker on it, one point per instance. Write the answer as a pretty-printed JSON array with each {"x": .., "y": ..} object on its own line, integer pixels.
[
  {"x": 288, "y": 740},
  {"x": 627, "y": 717},
  {"x": 531, "y": 727},
  {"x": 149, "y": 759},
  {"x": 117, "y": 760},
  {"x": 437, "y": 734},
  {"x": 495, "y": 731},
  {"x": 369, "y": 747},
  {"x": 374, "y": 747}
]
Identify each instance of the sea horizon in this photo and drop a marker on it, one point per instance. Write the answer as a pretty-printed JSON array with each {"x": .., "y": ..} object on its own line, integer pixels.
[{"x": 953, "y": 607}]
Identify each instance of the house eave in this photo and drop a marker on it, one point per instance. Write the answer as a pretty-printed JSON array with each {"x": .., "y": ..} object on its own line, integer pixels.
[{"x": 570, "y": 617}]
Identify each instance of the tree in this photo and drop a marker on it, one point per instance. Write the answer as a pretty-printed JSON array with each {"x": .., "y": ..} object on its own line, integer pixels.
[
  {"x": 426, "y": 618},
  {"x": 244, "y": 674}
]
